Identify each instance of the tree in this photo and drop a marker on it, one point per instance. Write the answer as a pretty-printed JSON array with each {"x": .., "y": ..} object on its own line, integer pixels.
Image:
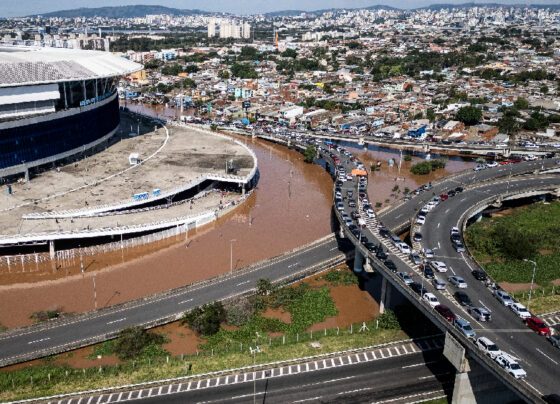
[
  {"x": 205, "y": 320},
  {"x": 264, "y": 287},
  {"x": 191, "y": 69},
  {"x": 469, "y": 115},
  {"x": 243, "y": 71},
  {"x": 132, "y": 341},
  {"x": 430, "y": 114},
  {"x": 224, "y": 75},
  {"x": 289, "y": 53},
  {"x": 521, "y": 103},
  {"x": 508, "y": 124},
  {"x": 388, "y": 320},
  {"x": 544, "y": 89},
  {"x": 310, "y": 154}
]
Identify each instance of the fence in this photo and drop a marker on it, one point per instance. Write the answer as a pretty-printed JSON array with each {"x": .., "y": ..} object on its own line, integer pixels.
[{"x": 30, "y": 262}]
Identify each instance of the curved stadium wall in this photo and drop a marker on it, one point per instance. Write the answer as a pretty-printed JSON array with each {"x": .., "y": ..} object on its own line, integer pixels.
[{"x": 39, "y": 140}]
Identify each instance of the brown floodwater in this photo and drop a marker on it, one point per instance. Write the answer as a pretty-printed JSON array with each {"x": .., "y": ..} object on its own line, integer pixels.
[{"x": 291, "y": 206}]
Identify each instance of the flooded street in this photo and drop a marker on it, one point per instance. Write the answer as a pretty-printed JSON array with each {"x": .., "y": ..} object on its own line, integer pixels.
[{"x": 290, "y": 207}]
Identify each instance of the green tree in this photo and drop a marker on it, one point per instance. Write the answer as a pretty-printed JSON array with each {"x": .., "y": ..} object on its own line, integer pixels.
[
  {"x": 264, "y": 287},
  {"x": 469, "y": 115},
  {"x": 289, "y": 53},
  {"x": 508, "y": 124},
  {"x": 430, "y": 114},
  {"x": 310, "y": 154},
  {"x": 172, "y": 70},
  {"x": 191, "y": 69},
  {"x": 224, "y": 75},
  {"x": 205, "y": 320},
  {"x": 244, "y": 71},
  {"x": 388, "y": 321},
  {"x": 521, "y": 103},
  {"x": 515, "y": 243},
  {"x": 544, "y": 89},
  {"x": 132, "y": 341}
]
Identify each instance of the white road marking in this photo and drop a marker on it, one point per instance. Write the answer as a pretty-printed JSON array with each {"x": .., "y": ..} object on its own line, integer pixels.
[
  {"x": 546, "y": 356},
  {"x": 438, "y": 245},
  {"x": 293, "y": 265},
  {"x": 438, "y": 225},
  {"x": 407, "y": 398},
  {"x": 116, "y": 321},
  {"x": 418, "y": 364},
  {"x": 38, "y": 340},
  {"x": 531, "y": 386},
  {"x": 451, "y": 269},
  {"x": 334, "y": 248},
  {"x": 307, "y": 399},
  {"x": 243, "y": 283},
  {"x": 185, "y": 301}
]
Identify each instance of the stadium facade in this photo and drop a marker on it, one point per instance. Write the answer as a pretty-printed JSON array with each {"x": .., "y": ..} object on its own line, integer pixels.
[{"x": 55, "y": 103}]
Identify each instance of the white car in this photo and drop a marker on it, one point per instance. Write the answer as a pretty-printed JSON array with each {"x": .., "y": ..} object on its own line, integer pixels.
[
  {"x": 370, "y": 213},
  {"x": 405, "y": 277},
  {"x": 509, "y": 363},
  {"x": 431, "y": 299},
  {"x": 520, "y": 310},
  {"x": 492, "y": 164},
  {"x": 438, "y": 266},
  {"x": 488, "y": 347},
  {"x": 404, "y": 248},
  {"x": 427, "y": 253},
  {"x": 420, "y": 220},
  {"x": 457, "y": 281},
  {"x": 503, "y": 297}
]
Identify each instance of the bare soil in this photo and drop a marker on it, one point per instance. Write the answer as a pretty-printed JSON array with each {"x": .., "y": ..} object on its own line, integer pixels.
[{"x": 517, "y": 287}]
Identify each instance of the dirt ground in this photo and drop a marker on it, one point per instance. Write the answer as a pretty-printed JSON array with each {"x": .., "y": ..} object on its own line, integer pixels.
[{"x": 517, "y": 287}]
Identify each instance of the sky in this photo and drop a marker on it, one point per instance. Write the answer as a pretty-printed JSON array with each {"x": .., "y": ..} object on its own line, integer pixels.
[{"x": 10, "y": 8}]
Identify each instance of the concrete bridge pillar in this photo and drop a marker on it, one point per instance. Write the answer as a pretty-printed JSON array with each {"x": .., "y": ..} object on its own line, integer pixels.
[
  {"x": 462, "y": 391},
  {"x": 426, "y": 148},
  {"x": 52, "y": 252},
  {"x": 253, "y": 135},
  {"x": 358, "y": 261},
  {"x": 507, "y": 152},
  {"x": 26, "y": 172},
  {"x": 367, "y": 265},
  {"x": 341, "y": 232},
  {"x": 385, "y": 295},
  {"x": 361, "y": 141},
  {"x": 289, "y": 142}
]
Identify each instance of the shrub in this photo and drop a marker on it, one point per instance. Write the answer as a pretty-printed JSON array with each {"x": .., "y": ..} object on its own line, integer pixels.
[
  {"x": 389, "y": 321},
  {"x": 239, "y": 314},
  {"x": 132, "y": 341},
  {"x": 425, "y": 167},
  {"x": 407, "y": 157},
  {"x": 205, "y": 320},
  {"x": 309, "y": 154}
]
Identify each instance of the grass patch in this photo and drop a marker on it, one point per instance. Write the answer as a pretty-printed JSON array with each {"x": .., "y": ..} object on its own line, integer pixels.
[
  {"x": 64, "y": 379},
  {"x": 338, "y": 277},
  {"x": 501, "y": 242},
  {"x": 540, "y": 303}
]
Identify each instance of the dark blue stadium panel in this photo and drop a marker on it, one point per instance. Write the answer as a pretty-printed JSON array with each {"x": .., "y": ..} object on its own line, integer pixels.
[{"x": 46, "y": 139}]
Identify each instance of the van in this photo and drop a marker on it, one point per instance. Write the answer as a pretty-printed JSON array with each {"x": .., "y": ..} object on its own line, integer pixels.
[
  {"x": 361, "y": 223},
  {"x": 488, "y": 347}
]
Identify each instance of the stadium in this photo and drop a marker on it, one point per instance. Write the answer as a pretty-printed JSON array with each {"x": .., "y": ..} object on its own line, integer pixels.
[{"x": 55, "y": 103}]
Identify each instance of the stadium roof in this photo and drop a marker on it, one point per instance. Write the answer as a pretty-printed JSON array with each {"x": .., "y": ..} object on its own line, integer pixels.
[{"x": 21, "y": 65}]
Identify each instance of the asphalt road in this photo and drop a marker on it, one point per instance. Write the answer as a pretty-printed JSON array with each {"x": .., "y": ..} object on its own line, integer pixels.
[
  {"x": 402, "y": 213},
  {"x": 397, "y": 379},
  {"x": 536, "y": 355},
  {"x": 61, "y": 334}
]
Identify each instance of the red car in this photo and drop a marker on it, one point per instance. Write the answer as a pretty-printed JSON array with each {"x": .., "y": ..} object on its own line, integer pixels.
[
  {"x": 444, "y": 197},
  {"x": 516, "y": 160},
  {"x": 445, "y": 312},
  {"x": 504, "y": 162},
  {"x": 536, "y": 324}
]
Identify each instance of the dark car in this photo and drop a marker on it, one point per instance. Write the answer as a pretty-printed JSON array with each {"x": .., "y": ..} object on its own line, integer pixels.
[
  {"x": 384, "y": 232},
  {"x": 380, "y": 254},
  {"x": 390, "y": 265},
  {"x": 463, "y": 298},
  {"x": 370, "y": 246},
  {"x": 451, "y": 193},
  {"x": 428, "y": 272},
  {"x": 479, "y": 275},
  {"x": 445, "y": 312},
  {"x": 459, "y": 189},
  {"x": 417, "y": 236},
  {"x": 418, "y": 288}
]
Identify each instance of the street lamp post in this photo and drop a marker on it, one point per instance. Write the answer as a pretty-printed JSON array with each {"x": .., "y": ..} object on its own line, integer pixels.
[
  {"x": 231, "y": 255},
  {"x": 532, "y": 280}
]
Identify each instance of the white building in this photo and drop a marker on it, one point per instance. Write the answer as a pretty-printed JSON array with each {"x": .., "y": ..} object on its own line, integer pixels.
[{"x": 211, "y": 28}]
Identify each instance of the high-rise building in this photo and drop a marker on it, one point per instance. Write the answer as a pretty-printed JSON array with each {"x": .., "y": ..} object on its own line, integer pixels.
[
  {"x": 211, "y": 28},
  {"x": 246, "y": 30}
]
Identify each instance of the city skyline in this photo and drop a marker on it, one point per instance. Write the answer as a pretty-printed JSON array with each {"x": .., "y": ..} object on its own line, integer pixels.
[{"x": 32, "y": 7}]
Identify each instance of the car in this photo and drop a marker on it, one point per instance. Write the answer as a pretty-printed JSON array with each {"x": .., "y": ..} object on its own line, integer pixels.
[
  {"x": 370, "y": 213},
  {"x": 370, "y": 246},
  {"x": 417, "y": 236},
  {"x": 455, "y": 231},
  {"x": 509, "y": 363},
  {"x": 458, "y": 246},
  {"x": 390, "y": 265},
  {"x": 451, "y": 193},
  {"x": 479, "y": 167},
  {"x": 405, "y": 277},
  {"x": 428, "y": 272},
  {"x": 340, "y": 206},
  {"x": 505, "y": 162},
  {"x": 536, "y": 324},
  {"x": 438, "y": 266},
  {"x": 520, "y": 310},
  {"x": 420, "y": 220},
  {"x": 417, "y": 287},
  {"x": 355, "y": 215},
  {"x": 492, "y": 164},
  {"x": 425, "y": 210},
  {"x": 457, "y": 281},
  {"x": 464, "y": 327},
  {"x": 445, "y": 312},
  {"x": 427, "y": 253},
  {"x": 404, "y": 248},
  {"x": 381, "y": 255},
  {"x": 384, "y": 232},
  {"x": 488, "y": 347},
  {"x": 503, "y": 297},
  {"x": 554, "y": 340},
  {"x": 459, "y": 189},
  {"x": 463, "y": 298},
  {"x": 396, "y": 241},
  {"x": 444, "y": 197},
  {"x": 352, "y": 203},
  {"x": 479, "y": 275},
  {"x": 431, "y": 299},
  {"x": 438, "y": 284},
  {"x": 415, "y": 258},
  {"x": 480, "y": 313}
]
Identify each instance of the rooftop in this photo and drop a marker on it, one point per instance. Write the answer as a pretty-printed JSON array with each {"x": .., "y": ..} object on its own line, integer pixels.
[{"x": 23, "y": 65}]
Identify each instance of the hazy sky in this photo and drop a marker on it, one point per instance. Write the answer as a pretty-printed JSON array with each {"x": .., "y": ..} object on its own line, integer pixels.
[{"x": 10, "y": 8}]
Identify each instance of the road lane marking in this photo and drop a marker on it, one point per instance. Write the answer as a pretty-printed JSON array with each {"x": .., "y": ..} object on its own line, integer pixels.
[
  {"x": 185, "y": 301},
  {"x": 294, "y": 264},
  {"x": 438, "y": 225},
  {"x": 304, "y": 400},
  {"x": 38, "y": 340},
  {"x": 116, "y": 321},
  {"x": 243, "y": 283},
  {"x": 451, "y": 269},
  {"x": 546, "y": 356},
  {"x": 418, "y": 364}
]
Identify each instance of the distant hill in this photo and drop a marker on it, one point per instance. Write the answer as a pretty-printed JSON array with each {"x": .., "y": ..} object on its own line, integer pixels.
[
  {"x": 120, "y": 12},
  {"x": 286, "y": 13},
  {"x": 436, "y": 7}
]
